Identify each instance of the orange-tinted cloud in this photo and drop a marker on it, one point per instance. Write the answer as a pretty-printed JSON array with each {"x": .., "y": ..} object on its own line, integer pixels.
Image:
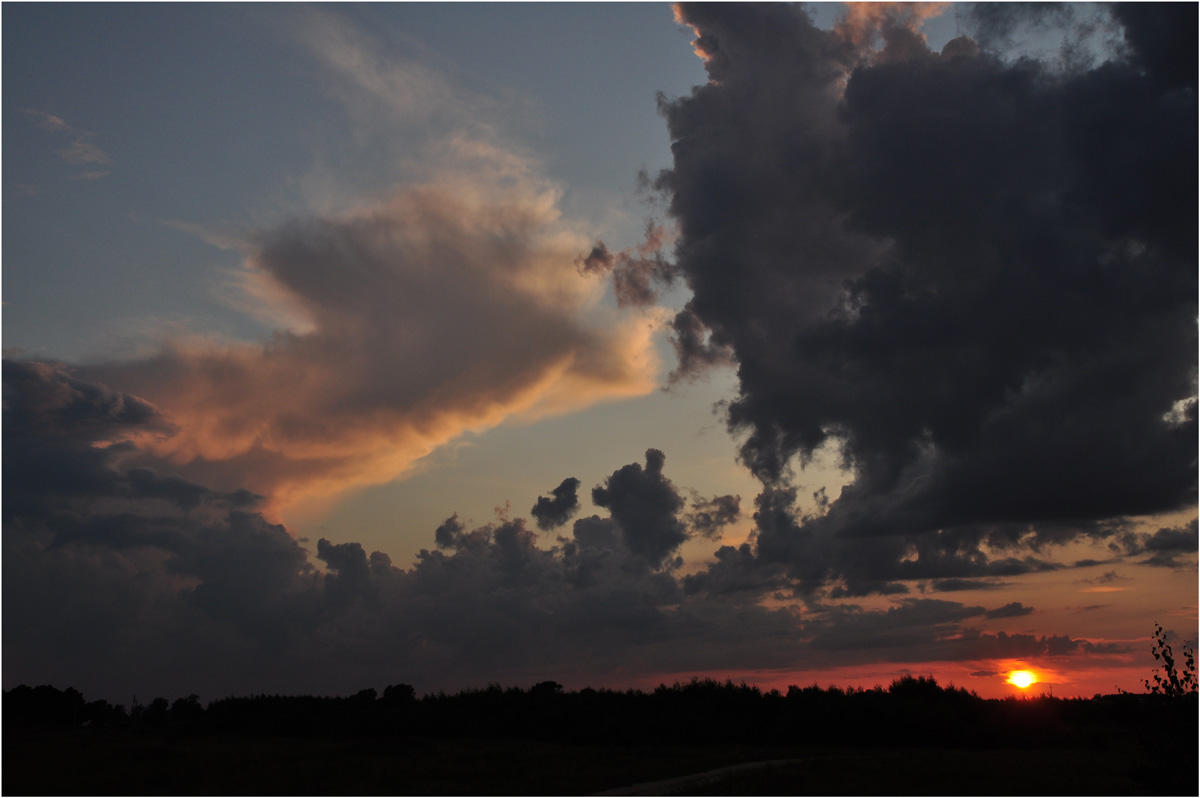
[
  {"x": 436, "y": 296},
  {"x": 448, "y": 307},
  {"x": 897, "y": 24},
  {"x": 697, "y": 45}
]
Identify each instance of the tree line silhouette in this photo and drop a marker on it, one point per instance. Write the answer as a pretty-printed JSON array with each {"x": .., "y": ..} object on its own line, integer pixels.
[
  {"x": 911, "y": 711},
  {"x": 1152, "y": 737}
]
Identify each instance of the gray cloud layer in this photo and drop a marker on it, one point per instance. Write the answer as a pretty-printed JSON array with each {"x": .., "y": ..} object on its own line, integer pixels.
[{"x": 119, "y": 581}]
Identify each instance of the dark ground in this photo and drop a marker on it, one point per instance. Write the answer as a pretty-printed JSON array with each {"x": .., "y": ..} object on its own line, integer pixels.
[
  {"x": 83, "y": 763},
  {"x": 915, "y": 738}
]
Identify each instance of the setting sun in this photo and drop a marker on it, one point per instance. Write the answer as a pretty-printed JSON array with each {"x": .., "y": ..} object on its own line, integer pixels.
[{"x": 1022, "y": 679}]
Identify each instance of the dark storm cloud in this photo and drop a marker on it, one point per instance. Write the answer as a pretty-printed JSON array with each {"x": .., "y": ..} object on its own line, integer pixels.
[
  {"x": 1163, "y": 42},
  {"x": 556, "y": 511},
  {"x": 116, "y": 566},
  {"x": 975, "y": 278}
]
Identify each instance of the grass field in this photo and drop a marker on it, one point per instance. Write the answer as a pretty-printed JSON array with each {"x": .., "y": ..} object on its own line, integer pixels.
[
  {"x": 79, "y": 762},
  {"x": 926, "y": 771}
]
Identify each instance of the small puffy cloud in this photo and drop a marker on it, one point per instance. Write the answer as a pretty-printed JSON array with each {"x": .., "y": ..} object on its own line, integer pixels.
[
  {"x": 645, "y": 505},
  {"x": 556, "y": 511},
  {"x": 637, "y": 274},
  {"x": 452, "y": 534},
  {"x": 1014, "y": 609},
  {"x": 708, "y": 517}
]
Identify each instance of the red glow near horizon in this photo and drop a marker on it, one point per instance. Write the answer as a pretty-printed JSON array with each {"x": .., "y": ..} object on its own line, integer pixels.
[{"x": 987, "y": 680}]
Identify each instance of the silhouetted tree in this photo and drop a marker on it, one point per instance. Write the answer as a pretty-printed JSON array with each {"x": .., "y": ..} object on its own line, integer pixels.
[
  {"x": 187, "y": 710},
  {"x": 1175, "y": 683},
  {"x": 156, "y": 713},
  {"x": 399, "y": 694}
]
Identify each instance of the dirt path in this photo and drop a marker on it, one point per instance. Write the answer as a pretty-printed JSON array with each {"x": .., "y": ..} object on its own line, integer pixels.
[{"x": 675, "y": 785}]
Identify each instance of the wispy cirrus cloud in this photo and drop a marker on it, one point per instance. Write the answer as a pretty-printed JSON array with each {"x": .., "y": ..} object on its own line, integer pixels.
[
  {"x": 81, "y": 151},
  {"x": 84, "y": 152}
]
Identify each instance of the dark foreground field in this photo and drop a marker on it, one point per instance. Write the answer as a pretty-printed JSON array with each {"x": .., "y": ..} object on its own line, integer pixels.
[{"x": 913, "y": 738}]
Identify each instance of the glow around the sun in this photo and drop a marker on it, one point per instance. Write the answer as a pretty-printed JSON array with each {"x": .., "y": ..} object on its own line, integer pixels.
[{"x": 1022, "y": 679}]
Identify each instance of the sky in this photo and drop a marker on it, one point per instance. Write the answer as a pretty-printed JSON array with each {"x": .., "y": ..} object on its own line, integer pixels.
[{"x": 613, "y": 344}]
